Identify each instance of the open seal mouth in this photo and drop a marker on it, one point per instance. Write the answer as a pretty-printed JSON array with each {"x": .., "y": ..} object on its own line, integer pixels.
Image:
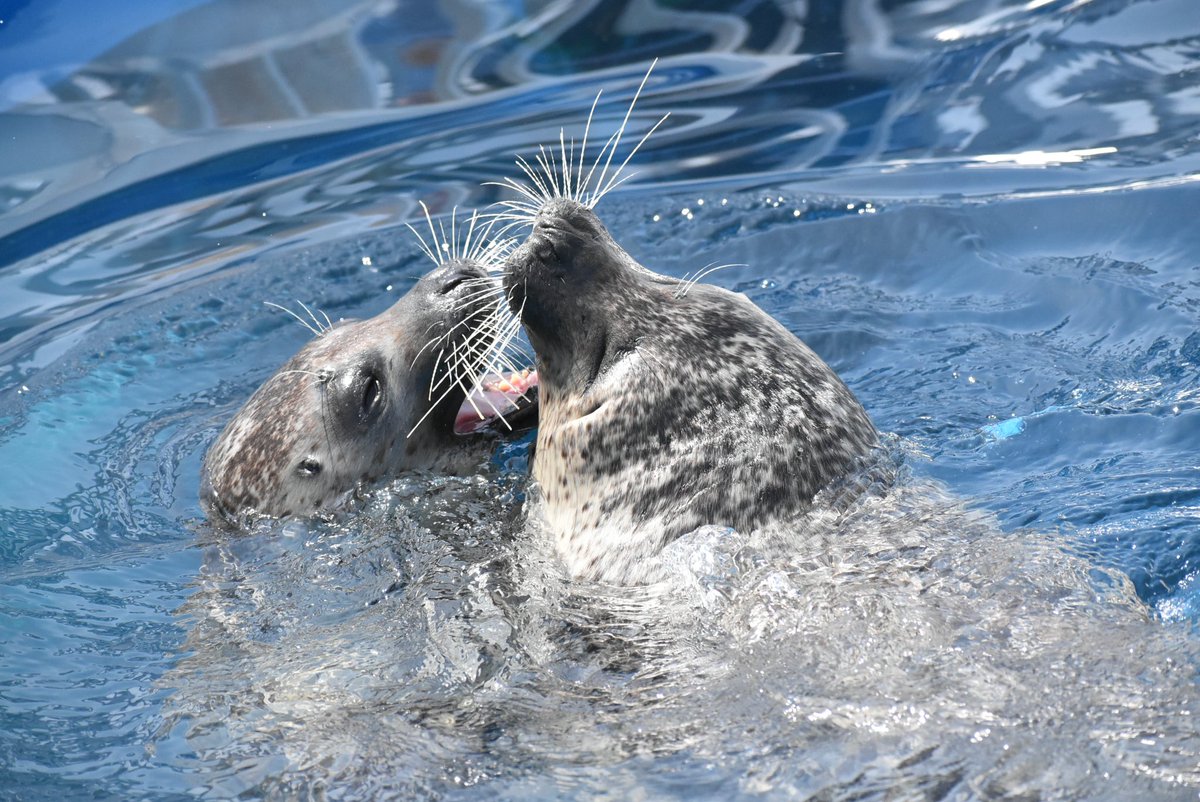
[{"x": 498, "y": 401}]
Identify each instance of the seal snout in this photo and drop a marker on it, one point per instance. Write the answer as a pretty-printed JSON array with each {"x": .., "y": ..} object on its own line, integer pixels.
[
  {"x": 449, "y": 277},
  {"x": 563, "y": 217}
]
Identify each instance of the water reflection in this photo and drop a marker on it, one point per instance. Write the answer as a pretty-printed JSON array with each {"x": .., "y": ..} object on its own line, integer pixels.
[{"x": 781, "y": 89}]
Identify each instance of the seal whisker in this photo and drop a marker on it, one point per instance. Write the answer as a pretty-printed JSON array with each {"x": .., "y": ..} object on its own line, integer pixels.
[
  {"x": 568, "y": 163},
  {"x": 436, "y": 363},
  {"x": 475, "y": 293},
  {"x": 613, "y": 181},
  {"x": 452, "y": 366},
  {"x": 315, "y": 321},
  {"x": 301, "y": 320},
  {"x": 513, "y": 184},
  {"x": 424, "y": 348},
  {"x": 549, "y": 171},
  {"x": 469, "y": 249},
  {"x": 446, "y": 336},
  {"x": 587, "y": 182},
  {"x": 582, "y": 187},
  {"x": 543, "y": 190},
  {"x": 437, "y": 244},
  {"x": 516, "y": 211},
  {"x": 435, "y": 340},
  {"x": 428, "y": 412},
  {"x": 691, "y": 281},
  {"x": 424, "y": 246},
  {"x": 495, "y": 326},
  {"x": 624, "y": 122},
  {"x": 467, "y": 392},
  {"x": 471, "y": 345},
  {"x": 515, "y": 204},
  {"x": 461, "y": 354},
  {"x": 445, "y": 244},
  {"x": 321, "y": 377},
  {"x": 516, "y": 221}
]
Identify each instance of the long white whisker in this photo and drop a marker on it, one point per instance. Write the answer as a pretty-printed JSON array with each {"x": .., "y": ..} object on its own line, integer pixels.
[
  {"x": 599, "y": 157},
  {"x": 315, "y": 321},
  {"x": 516, "y": 186},
  {"x": 423, "y": 244},
  {"x": 445, "y": 246},
  {"x": 566, "y": 165},
  {"x": 313, "y": 373},
  {"x": 689, "y": 283},
  {"x": 437, "y": 245},
  {"x": 302, "y": 321},
  {"x": 625, "y": 121},
  {"x": 582, "y": 188},
  {"x": 636, "y": 147}
]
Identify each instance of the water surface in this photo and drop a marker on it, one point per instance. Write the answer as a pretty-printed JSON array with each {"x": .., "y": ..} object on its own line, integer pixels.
[{"x": 981, "y": 214}]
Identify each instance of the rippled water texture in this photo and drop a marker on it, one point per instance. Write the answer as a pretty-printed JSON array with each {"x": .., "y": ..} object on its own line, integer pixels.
[{"x": 981, "y": 213}]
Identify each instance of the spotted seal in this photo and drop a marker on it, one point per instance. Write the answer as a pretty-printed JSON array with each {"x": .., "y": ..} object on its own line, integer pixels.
[
  {"x": 365, "y": 399},
  {"x": 665, "y": 405}
]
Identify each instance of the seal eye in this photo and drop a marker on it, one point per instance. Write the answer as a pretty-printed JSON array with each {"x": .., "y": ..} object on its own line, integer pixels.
[
  {"x": 308, "y": 467},
  {"x": 372, "y": 397}
]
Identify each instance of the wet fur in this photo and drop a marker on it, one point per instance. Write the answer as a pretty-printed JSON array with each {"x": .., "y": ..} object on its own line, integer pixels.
[
  {"x": 257, "y": 464},
  {"x": 663, "y": 410}
]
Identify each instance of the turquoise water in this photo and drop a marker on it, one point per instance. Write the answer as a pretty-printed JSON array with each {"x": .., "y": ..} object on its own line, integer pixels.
[{"x": 981, "y": 214}]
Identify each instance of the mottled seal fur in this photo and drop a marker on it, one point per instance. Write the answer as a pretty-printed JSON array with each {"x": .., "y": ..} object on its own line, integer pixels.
[
  {"x": 665, "y": 406},
  {"x": 346, "y": 408}
]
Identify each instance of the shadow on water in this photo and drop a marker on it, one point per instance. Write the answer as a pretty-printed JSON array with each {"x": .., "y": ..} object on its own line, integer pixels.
[{"x": 979, "y": 213}]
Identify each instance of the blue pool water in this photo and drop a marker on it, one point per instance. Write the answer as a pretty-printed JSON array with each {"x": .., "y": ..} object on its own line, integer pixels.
[{"x": 980, "y": 213}]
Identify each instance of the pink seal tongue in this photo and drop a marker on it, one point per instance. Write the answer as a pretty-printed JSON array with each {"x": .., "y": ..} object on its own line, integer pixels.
[{"x": 497, "y": 395}]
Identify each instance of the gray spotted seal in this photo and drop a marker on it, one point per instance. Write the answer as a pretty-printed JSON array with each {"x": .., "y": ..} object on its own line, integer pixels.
[
  {"x": 664, "y": 405},
  {"x": 367, "y": 398}
]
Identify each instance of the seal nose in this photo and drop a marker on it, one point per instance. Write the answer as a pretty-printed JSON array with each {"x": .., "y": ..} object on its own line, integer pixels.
[
  {"x": 565, "y": 216},
  {"x": 448, "y": 278}
]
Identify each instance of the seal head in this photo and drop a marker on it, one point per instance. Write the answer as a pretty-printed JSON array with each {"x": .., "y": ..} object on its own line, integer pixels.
[
  {"x": 360, "y": 401},
  {"x": 665, "y": 405}
]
